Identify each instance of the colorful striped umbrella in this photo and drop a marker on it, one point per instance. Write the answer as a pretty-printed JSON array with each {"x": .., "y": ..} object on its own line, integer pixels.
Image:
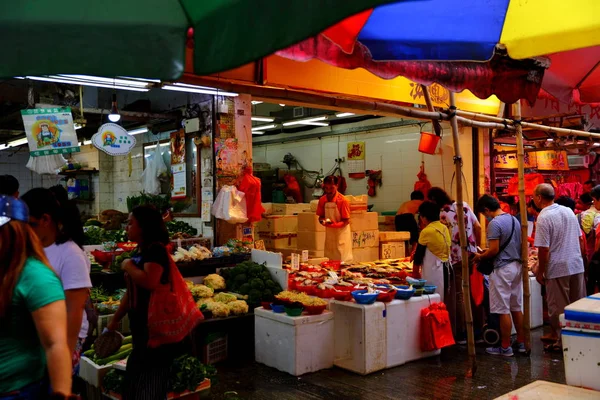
[{"x": 469, "y": 31}]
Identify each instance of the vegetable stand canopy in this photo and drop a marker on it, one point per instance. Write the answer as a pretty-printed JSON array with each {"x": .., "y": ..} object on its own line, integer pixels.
[{"x": 147, "y": 38}]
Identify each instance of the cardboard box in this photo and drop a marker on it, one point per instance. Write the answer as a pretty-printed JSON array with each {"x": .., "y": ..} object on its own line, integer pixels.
[
  {"x": 387, "y": 223},
  {"x": 317, "y": 260},
  {"x": 311, "y": 241},
  {"x": 392, "y": 250},
  {"x": 278, "y": 223},
  {"x": 367, "y": 221},
  {"x": 268, "y": 208},
  {"x": 365, "y": 254},
  {"x": 358, "y": 203},
  {"x": 309, "y": 222},
  {"x": 279, "y": 241},
  {"x": 394, "y": 236},
  {"x": 290, "y": 209},
  {"x": 365, "y": 239}
]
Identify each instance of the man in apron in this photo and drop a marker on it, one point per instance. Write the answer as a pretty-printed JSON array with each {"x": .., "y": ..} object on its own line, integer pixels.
[
  {"x": 433, "y": 251},
  {"x": 334, "y": 214}
]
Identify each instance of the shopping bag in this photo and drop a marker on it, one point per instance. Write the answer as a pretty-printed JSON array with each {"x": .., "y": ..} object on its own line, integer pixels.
[
  {"x": 154, "y": 169},
  {"x": 436, "y": 331},
  {"x": 230, "y": 205},
  {"x": 172, "y": 311}
]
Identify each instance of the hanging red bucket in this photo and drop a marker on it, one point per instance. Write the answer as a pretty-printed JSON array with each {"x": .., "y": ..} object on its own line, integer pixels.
[{"x": 428, "y": 142}]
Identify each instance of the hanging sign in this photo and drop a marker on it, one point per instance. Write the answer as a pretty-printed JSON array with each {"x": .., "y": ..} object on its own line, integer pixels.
[
  {"x": 356, "y": 160},
  {"x": 113, "y": 140},
  {"x": 552, "y": 160},
  {"x": 178, "y": 167},
  {"x": 50, "y": 131},
  {"x": 509, "y": 161}
]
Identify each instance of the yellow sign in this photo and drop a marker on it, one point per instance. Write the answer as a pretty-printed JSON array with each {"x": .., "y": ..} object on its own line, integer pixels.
[
  {"x": 509, "y": 161},
  {"x": 356, "y": 160},
  {"x": 552, "y": 160}
]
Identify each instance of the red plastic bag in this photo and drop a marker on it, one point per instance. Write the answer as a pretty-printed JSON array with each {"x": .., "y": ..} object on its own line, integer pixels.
[
  {"x": 250, "y": 185},
  {"x": 436, "y": 331},
  {"x": 172, "y": 311},
  {"x": 476, "y": 282}
]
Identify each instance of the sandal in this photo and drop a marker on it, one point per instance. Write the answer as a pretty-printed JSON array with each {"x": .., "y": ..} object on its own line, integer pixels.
[
  {"x": 549, "y": 338},
  {"x": 555, "y": 347}
]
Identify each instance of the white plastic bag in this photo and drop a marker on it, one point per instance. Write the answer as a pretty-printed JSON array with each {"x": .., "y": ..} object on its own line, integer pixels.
[
  {"x": 155, "y": 168},
  {"x": 230, "y": 205}
]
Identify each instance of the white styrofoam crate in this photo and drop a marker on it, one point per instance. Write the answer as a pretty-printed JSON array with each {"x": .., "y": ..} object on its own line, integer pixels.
[
  {"x": 296, "y": 345},
  {"x": 542, "y": 390},
  {"x": 403, "y": 326},
  {"x": 581, "y": 354},
  {"x": 104, "y": 320},
  {"x": 91, "y": 372},
  {"x": 360, "y": 336},
  {"x": 280, "y": 276},
  {"x": 536, "y": 305}
]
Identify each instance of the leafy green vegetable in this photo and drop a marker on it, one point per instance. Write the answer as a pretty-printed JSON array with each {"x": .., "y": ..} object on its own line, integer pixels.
[
  {"x": 114, "y": 381},
  {"x": 98, "y": 294},
  {"x": 252, "y": 279},
  {"x": 94, "y": 235},
  {"x": 162, "y": 203},
  {"x": 187, "y": 373},
  {"x": 180, "y": 226}
]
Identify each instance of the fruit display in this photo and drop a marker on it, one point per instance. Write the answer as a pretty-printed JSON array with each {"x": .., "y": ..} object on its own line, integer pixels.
[{"x": 253, "y": 280}]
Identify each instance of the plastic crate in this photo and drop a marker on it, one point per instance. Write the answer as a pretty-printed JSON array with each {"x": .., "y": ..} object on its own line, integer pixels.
[
  {"x": 104, "y": 320},
  {"x": 215, "y": 349}
]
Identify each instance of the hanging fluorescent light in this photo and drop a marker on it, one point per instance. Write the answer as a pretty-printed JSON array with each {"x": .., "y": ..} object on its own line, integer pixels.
[
  {"x": 142, "y": 79},
  {"x": 184, "y": 87},
  {"x": 550, "y": 140},
  {"x": 74, "y": 81},
  {"x": 344, "y": 114},
  {"x": 304, "y": 121},
  {"x": 87, "y": 142},
  {"x": 262, "y": 119},
  {"x": 138, "y": 131},
  {"x": 110, "y": 81},
  {"x": 114, "y": 115},
  {"x": 258, "y": 132},
  {"x": 263, "y": 127},
  {"x": 596, "y": 144},
  {"x": 255, "y": 102},
  {"x": 316, "y": 123},
  {"x": 282, "y": 105},
  {"x": 153, "y": 146}
]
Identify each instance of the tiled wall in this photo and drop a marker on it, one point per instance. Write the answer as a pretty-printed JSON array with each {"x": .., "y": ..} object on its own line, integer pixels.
[{"x": 394, "y": 150}]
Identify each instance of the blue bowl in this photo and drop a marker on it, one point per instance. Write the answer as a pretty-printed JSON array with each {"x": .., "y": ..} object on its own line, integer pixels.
[
  {"x": 404, "y": 294},
  {"x": 417, "y": 283},
  {"x": 362, "y": 297},
  {"x": 278, "y": 308},
  {"x": 429, "y": 289}
]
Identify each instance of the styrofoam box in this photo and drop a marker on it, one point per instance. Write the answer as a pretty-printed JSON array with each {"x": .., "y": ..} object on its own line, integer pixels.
[
  {"x": 91, "y": 372},
  {"x": 290, "y": 209},
  {"x": 365, "y": 254},
  {"x": 394, "y": 236},
  {"x": 268, "y": 208},
  {"x": 392, "y": 250},
  {"x": 296, "y": 345},
  {"x": 360, "y": 336},
  {"x": 365, "y": 239},
  {"x": 403, "y": 329},
  {"x": 309, "y": 222},
  {"x": 280, "y": 276},
  {"x": 364, "y": 222},
  {"x": 317, "y": 254},
  {"x": 542, "y": 390},
  {"x": 278, "y": 223},
  {"x": 280, "y": 241},
  {"x": 536, "y": 304},
  {"x": 314, "y": 204},
  {"x": 311, "y": 241},
  {"x": 317, "y": 260}
]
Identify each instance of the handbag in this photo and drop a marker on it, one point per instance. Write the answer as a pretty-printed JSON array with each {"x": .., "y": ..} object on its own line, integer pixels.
[
  {"x": 172, "y": 311},
  {"x": 486, "y": 267},
  {"x": 436, "y": 330}
]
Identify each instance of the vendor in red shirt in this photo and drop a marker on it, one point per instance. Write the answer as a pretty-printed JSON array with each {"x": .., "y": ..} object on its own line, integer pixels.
[{"x": 334, "y": 214}]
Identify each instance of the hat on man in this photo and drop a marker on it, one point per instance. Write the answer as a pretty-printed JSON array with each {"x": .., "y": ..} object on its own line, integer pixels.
[{"x": 12, "y": 208}]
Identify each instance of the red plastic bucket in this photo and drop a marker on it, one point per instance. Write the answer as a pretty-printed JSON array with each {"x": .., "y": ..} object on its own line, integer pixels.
[{"x": 428, "y": 142}]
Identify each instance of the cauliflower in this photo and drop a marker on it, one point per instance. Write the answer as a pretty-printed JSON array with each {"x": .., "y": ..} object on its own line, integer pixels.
[
  {"x": 219, "y": 310},
  {"x": 225, "y": 298},
  {"x": 215, "y": 281},
  {"x": 201, "y": 292},
  {"x": 205, "y": 302},
  {"x": 238, "y": 307},
  {"x": 189, "y": 284}
]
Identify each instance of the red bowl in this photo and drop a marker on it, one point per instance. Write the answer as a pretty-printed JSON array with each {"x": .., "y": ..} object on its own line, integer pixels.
[
  {"x": 341, "y": 296},
  {"x": 127, "y": 246},
  {"x": 332, "y": 265},
  {"x": 315, "y": 310},
  {"x": 266, "y": 305},
  {"x": 386, "y": 297}
]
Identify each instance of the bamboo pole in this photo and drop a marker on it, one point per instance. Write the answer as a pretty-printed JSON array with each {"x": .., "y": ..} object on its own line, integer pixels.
[
  {"x": 524, "y": 244},
  {"x": 462, "y": 236},
  {"x": 436, "y": 125}
]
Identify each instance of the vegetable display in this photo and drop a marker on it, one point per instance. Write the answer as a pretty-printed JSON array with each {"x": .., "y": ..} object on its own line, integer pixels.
[
  {"x": 201, "y": 292},
  {"x": 215, "y": 281},
  {"x": 251, "y": 279},
  {"x": 186, "y": 230},
  {"x": 94, "y": 235},
  {"x": 162, "y": 203},
  {"x": 122, "y": 353},
  {"x": 195, "y": 252},
  {"x": 225, "y": 298}
]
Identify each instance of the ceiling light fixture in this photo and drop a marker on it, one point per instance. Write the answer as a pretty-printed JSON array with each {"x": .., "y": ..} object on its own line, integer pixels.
[
  {"x": 110, "y": 81},
  {"x": 344, "y": 114},
  {"x": 184, "y": 87},
  {"x": 304, "y": 121},
  {"x": 138, "y": 131},
  {"x": 134, "y": 86},
  {"x": 87, "y": 142},
  {"x": 14, "y": 143},
  {"x": 550, "y": 140},
  {"x": 596, "y": 144},
  {"x": 316, "y": 123},
  {"x": 77, "y": 126},
  {"x": 114, "y": 115},
  {"x": 263, "y": 127},
  {"x": 282, "y": 105},
  {"x": 255, "y": 102},
  {"x": 258, "y": 133},
  {"x": 262, "y": 119}
]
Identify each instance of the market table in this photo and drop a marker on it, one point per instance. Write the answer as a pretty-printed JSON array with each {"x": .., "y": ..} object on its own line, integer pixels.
[{"x": 542, "y": 390}]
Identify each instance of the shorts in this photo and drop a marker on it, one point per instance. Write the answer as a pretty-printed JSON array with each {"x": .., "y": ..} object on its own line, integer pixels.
[{"x": 506, "y": 289}]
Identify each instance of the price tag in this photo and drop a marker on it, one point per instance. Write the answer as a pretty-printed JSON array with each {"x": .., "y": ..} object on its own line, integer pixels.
[
  {"x": 295, "y": 261},
  {"x": 304, "y": 256}
]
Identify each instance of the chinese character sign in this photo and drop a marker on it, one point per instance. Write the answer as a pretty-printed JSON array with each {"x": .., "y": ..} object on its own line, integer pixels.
[
  {"x": 552, "y": 160},
  {"x": 50, "y": 131},
  {"x": 356, "y": 160},
  {"x": 509, "y": 161},
  {"x": 113, "y": 140}
]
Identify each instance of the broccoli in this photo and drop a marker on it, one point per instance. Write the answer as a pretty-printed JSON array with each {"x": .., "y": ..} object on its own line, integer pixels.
[
  {"x": 267, "y": 295},
  {"x": 245, "y": 288},
  {"x": 240, "y": 279},
  {"x": 269, "y": 284},
  {"x": 257, "y": 284}
]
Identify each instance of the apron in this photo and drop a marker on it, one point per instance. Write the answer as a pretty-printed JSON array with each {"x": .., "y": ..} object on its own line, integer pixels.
[
  {"x": 433, "y": 271},
  {"x": 338, "y": 242}
]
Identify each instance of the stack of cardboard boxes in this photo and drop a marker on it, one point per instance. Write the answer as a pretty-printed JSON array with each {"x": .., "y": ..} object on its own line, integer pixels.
[
  {"x": 311, "y": 234},
  {"x": 393, "y": 244},
  {"x": 279, "y": 231},
  {"x": 365, "y": 236}
]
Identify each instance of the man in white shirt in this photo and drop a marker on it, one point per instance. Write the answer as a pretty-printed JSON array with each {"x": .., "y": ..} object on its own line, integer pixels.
[{"x": 560, "y": 247}]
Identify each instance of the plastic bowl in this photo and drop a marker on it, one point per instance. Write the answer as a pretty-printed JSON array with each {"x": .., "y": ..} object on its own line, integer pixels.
[
  {"x": 277, "y": 308},
  {"x": 386, "y": 296},
  {"x": 404, "y": 294},
  {"x": 418, "y": 283},
  {"x": 418, "y": 292},
  {"x": 332, "y": 265},
  {"x": 293, "y": 312},
  {"x": 266, "y": 305},
  {"x": 362, "y": 297},
  {"x": 315, "y": 310},
  {"x": 341, "y": 295},
  {"x": 429, "y": 289}
]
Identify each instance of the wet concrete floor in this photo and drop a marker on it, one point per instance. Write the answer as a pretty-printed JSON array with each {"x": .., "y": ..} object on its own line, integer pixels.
[{"x": 440, "y": 377}]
